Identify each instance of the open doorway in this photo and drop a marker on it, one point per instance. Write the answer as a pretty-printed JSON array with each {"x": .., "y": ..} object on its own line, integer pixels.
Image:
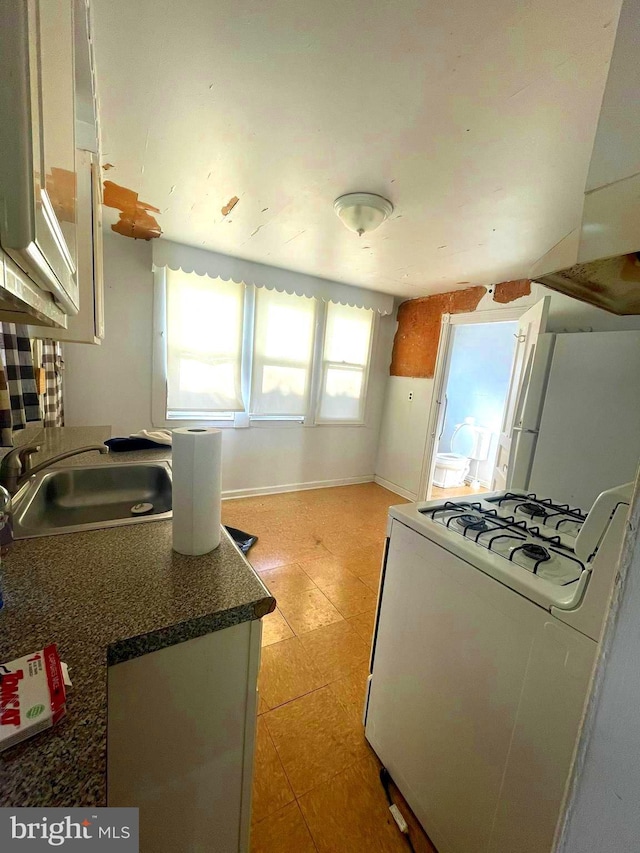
[
  {"x": 477, "y": 419},
  {"x": 478, "y": 374}
]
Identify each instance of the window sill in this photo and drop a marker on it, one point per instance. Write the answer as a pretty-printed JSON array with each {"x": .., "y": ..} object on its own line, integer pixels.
[
  {"x": 176, "y": 424},
  {"x": 276, "y": 423},
  {"x": 341, "y": 423},
  {"x": 259, "y": 423}
]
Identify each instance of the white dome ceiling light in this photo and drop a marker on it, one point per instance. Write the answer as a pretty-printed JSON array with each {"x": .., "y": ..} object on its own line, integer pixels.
[{"x": 362, "y": 212}]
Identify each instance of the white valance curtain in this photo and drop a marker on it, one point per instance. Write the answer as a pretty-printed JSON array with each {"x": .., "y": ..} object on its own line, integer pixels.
[{"x": 176, "y": 256}]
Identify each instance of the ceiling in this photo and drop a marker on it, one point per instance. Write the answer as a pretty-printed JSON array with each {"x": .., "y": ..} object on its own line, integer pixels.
[{"x": 475, "y": 118}]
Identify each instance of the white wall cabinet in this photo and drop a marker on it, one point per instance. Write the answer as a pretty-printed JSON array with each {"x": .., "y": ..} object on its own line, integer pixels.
[
  {"x": 180, "y": 741},
  {"x": 38, "y": 176},
  {"x": 87, "y": 326},
  {"x": 42, "y": 218}
]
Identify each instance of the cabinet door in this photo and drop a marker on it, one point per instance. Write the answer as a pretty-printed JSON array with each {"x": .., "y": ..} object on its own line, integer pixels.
[
  {"x": 37, "y": 135},
  {"x": 54, "y": 138},
  {"x": 87, "y": 327},
  {"x": 98, "y": 248},
  {"x": 181, "y": 738}
]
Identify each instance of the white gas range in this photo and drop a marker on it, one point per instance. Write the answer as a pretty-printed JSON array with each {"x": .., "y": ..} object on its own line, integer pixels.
[
  {"x": 557, "y": 556},
  {"x": 489, "y": 616}
]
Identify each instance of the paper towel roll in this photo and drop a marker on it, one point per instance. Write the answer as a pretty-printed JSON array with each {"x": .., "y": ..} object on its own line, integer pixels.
[{"x": 196, "y": 466}]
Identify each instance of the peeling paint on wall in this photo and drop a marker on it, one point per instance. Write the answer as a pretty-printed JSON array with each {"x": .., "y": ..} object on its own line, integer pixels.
[
  {"x": 415, "y": 345},
  {"x": 135, "y": 216},
  {"x": 226, "y": 210},
  {"x": 507, "y": 291}
]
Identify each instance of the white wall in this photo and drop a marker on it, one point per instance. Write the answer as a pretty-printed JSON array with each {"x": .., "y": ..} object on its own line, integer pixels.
[
  {"x": 403, "y": 434},
  {"x": 111, "y": 384},
  {"x": 404, "y": 424}
]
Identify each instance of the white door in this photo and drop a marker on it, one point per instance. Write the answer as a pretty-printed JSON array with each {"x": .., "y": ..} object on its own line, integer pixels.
[
  {"x": 531, "y": 324},
  {"x": 438, "y": 411}
]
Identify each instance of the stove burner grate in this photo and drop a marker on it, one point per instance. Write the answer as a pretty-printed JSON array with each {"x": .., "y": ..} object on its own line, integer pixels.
[
  {"x": 549, "y": 507},
  {"x": 532, "y": 510},
  {"x": 496, "y": 532},
  {"x": 535, "y": 552},
  {"x": 467, "y": 520}
]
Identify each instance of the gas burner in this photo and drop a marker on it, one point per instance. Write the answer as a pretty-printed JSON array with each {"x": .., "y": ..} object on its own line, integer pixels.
[
  {"x": 471, "y": 522},
  {"x": 532, "y": 510},
  {"x": 535, "y": 552},
  {"x": 561, "y": 516},
  {"x": 512, "y": 530}
]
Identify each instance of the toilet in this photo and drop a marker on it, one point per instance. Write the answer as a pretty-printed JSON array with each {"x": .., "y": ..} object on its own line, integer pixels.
[{"x": 468, "y": 443}]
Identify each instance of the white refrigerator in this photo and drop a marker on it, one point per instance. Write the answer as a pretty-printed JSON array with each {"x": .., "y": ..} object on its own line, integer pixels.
[{"x": 577, "y": 423}]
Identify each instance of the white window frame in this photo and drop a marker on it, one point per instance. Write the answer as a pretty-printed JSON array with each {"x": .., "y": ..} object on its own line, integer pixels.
[
  {"x": 159, "y": 367},
  {"x": 243, "y": 420},
  {"x": 292, "y": 419},
  {"x": 324, "y": 365}
]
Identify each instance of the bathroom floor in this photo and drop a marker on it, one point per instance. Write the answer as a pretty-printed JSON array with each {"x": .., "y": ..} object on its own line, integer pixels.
[
  {"x": 456, "y": 491},
  {"x": 316, "y": 784}
]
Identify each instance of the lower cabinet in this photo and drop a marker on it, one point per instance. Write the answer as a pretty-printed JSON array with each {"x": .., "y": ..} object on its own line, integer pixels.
[{"x": 180, "y": 741}]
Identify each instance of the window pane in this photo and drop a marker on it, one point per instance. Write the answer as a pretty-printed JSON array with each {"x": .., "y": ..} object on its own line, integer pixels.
[
  {"x": 346, "y": 362},
  {"x": 288, "y": 329},
  {"x": 284, "y": 389},
  {"x": 198, "y": 380},
  {"x": 282, "y": 353},
  {"x": 342, "y": 394},
  {"x": 348, "y": 334},
  {"x": 204, "y": 343}
]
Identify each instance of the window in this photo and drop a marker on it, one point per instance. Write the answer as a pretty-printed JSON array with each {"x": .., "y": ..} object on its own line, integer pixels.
[
  {"x": 237, "y": 354},
  {"x": 204, "y": 346},
  {"x": 282, "y": 353},
  {"x": 347, "y": 343}
]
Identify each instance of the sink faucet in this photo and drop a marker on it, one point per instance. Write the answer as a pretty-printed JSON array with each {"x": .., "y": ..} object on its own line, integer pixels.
[{"x": 15, "y": 468}]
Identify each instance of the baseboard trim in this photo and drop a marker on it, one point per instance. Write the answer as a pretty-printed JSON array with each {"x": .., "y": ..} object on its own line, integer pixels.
[
  {"x": 233, "y": 494},
  {"x": 392, "y": 487},
  {"x": 484, "y": 483}
]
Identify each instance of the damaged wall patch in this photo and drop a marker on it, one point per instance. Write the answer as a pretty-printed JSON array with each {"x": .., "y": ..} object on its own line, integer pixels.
[
  {"x": 416, "y": 342},
  {"x": 135, "y": 216},
  {"x": 226, "y": 210},
  {"x": 508, "y": 291}
]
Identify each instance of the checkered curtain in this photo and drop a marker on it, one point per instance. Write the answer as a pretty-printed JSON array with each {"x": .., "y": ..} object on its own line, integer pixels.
[
  {"x": 53, "y": 365},
  {"x": 17, "y": 361},
  {"x": 6, "y": 430}
]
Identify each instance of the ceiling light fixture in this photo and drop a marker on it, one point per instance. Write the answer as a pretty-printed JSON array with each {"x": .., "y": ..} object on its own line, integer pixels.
[{"x": 362, "y": 212}]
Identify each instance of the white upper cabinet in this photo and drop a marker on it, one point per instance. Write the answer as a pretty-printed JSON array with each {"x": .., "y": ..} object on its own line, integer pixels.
[
  {"x": 87, "y": 326},
  {"x": 38, "y": 178}
]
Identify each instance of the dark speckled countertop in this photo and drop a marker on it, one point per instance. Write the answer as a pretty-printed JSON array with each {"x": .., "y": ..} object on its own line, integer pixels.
[{"x": 106, "y": 596}]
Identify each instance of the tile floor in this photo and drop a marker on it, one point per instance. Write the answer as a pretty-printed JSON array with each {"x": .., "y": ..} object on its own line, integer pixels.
[{"x": 316, "y": 785}]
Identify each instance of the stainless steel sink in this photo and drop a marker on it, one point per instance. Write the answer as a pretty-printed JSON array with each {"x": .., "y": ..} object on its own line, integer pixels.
[{"x": 87, "y": 497}]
